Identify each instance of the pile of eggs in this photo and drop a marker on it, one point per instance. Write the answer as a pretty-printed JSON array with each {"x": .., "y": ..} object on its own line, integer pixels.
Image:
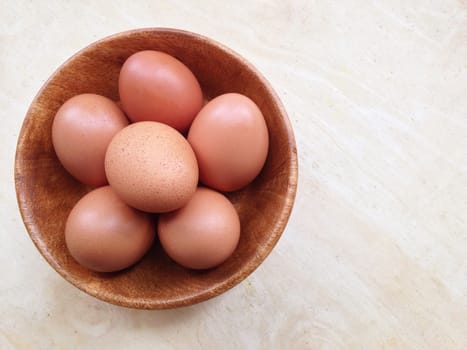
[{"x": 164, "y": 150}]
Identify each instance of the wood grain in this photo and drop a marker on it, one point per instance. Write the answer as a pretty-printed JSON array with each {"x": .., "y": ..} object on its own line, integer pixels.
[{"x": 46, "y": 192}]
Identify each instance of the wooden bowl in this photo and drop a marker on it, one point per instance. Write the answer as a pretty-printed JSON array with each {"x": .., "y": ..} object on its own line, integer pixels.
[{"x": 46, "y": 192}]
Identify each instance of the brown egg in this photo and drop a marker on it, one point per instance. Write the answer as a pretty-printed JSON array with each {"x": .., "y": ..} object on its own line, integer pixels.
[
  {"x": 230, "y": 140},
  {"x": 202, "y": 234},
  {"x": 152, "y": 167},
  {"x": 81, "y": 132},
  {"x": 104, "y": 234},
  {"x": 157, "y": 87}
]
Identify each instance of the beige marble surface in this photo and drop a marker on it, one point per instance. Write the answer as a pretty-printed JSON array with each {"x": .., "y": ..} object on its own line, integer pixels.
[{"x": 375, "y": 253}]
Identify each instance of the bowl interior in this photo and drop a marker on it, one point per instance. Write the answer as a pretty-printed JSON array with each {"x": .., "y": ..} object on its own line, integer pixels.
[{"x": 46, "y": 192}]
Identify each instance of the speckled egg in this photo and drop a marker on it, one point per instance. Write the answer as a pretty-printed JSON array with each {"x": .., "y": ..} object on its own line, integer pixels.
[{"x": 151, "y": 167}]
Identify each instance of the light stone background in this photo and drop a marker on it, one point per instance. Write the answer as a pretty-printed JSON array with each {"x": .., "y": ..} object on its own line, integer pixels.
[{"x": 375, "y": 252}]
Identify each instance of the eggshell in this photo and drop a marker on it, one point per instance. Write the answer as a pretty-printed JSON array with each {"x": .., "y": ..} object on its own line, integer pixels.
[
  {"x": 104, "y": 234},
  {"x": 152, "y": 167},
  {"x": 81, "y": 132},
  {"x": 230, "y": 140},
  {"x": 202, "y": 234},
  {"x": 155, "y": 86}
]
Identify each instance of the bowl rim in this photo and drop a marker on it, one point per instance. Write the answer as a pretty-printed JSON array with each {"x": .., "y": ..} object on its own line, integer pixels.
[{"x": 226, "y": 283}]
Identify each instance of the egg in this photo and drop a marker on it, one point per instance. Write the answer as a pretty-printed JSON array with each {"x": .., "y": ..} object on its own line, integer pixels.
[
  {"x": 202, "y": 234},
  {"x": 152, "y": 167},
  {"x": 81, "y": 132},
  {"x": 104, "y": 234},
  {"x": 230, "y": 140},
  {"x": 155, "y": 86}
]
